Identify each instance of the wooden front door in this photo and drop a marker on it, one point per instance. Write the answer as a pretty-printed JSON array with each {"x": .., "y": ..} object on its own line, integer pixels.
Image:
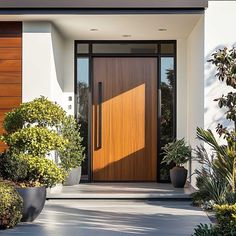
[{"x": 124, "y": 126}]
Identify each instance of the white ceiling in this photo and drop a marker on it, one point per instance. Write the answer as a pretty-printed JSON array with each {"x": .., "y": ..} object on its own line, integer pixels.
[{"x": 112, "y": 27}]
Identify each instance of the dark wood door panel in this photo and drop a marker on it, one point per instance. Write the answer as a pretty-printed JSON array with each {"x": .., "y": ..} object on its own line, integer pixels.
[{"x": 129, "y": 119}]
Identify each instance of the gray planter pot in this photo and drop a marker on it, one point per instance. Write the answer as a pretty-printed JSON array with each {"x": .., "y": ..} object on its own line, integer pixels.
[
  {"x": 33, "y": 202},
  {"x": 178, "y": 176},
  {"x": 73, "y": 177}
]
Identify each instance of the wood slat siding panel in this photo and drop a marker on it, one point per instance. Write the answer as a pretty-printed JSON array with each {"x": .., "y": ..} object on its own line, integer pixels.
[
  {"x": 10, "y": 53},
  {"x": 10, "y": 65},
  {"x": 10, "y": 90},
  {"x": 10, "y": 77},
  {"x": 9, "y": 102},
  {"x": 10, "y": 69},
  {"x": 8, "y": 42}
]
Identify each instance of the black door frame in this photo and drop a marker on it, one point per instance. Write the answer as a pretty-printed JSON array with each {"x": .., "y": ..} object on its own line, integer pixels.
[{"x": 90, "y": 55}]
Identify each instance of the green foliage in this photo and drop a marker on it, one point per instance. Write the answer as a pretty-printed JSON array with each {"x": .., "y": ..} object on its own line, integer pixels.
[
  {"x": 11, "y": 206},
  {"x": 206, "y": 230},
  {"x": 177, "y": 152},
  {"x": 224, "y": 60},
  {"x": 226, "y": 219},
  {"x": 32, "y": 133},
  {"x": 72, "y": 155},
  {"x": 210, "y": 182},
  {"x": 37, "y": 141},
  {"x": 29, "y": 171},
  {"x": 217, "y": 178},
  {"x": 40, "y": 112},
  {"x": 224, "y": 164}
]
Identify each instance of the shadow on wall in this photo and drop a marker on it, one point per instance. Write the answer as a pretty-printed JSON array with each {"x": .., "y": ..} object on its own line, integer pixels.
[
  {"x": 58, "y": 48},
  {"x": 213, "y": 89}
]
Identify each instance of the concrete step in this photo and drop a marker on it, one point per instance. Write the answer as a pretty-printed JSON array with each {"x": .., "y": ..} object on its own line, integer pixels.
[{"x": 121, "y": 191}]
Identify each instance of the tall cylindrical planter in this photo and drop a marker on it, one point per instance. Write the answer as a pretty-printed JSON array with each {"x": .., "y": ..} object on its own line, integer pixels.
[
  {"x": 178, "y": 176},
  {"x": 73, "y": 177},
  {"x": 33, "y": 202}
]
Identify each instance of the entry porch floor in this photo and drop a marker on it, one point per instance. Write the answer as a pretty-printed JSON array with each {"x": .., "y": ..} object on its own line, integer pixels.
[
  {"x": 113, "y": 218},
  {"x": 121, "y": 191}
]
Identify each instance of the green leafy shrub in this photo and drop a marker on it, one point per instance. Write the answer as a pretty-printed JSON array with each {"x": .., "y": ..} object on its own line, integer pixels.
[
  {"x": 32, "y": 134},
  {"x": 226, "y": 218},
  {"x": 37, "y": 141},
  {"x": 11, "y": 206},
  {"x": 40, "y": 111},
  {"x": 73, "y": 153},
  {"x": 176, "y": 152},
  {"x": 206, "y": 230},
  {"x": 26, "y": 170}
]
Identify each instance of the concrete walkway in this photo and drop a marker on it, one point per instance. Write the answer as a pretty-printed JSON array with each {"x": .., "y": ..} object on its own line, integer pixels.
[{"x": 112, "y": 218}]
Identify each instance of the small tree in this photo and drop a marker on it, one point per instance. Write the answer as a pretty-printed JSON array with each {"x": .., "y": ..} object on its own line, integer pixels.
[
  {"x": 31, "y": 135},
  {"x": 225, "y": 155}
]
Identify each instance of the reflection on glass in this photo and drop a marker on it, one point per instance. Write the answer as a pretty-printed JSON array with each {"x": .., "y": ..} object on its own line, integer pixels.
[
  {"x": 167, "y": 108},
  {"x": 167, "y": 48},
  {"x": 82, "y": 48},
  {"x": 82, "y": 92},
  {"x": 125, "y": 48}
]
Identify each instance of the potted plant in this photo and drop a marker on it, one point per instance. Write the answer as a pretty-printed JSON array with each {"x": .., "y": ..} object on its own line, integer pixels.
[
  {"x": 179, "y": 153},
  {"x": 31, "y": 136},
  {"x": 72, "y": 155}
]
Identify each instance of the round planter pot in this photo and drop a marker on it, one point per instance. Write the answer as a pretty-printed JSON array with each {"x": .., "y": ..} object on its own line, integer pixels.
[
  {"x": 73, "y": 177},
  {"x": 33, "y": 202},
  {"x": 178, "y": 176}
]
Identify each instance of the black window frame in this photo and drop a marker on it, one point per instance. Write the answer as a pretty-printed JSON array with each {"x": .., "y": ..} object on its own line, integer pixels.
[{"x": 90, "y": 55}]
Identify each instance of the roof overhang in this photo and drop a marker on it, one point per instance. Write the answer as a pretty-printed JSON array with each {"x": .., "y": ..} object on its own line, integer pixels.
[{"x": 104, "y": 4}]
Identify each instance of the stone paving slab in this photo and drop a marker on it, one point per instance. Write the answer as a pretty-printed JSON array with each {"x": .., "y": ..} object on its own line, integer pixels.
[{"x": 112, "y": 218}]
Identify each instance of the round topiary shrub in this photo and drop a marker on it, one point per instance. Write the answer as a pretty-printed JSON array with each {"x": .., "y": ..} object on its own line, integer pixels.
[{"x": 10, "y": 206}]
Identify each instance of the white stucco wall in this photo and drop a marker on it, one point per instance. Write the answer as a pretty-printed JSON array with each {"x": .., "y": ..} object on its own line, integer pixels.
[
  {"x": 37, "y": 56},
  {"x": 195, "y": 87},
  {"x": 219, "y": 32},
  {"x": 48, "y": 64}
]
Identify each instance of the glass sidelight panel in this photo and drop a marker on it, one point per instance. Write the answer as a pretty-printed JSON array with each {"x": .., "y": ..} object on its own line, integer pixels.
[
  {"x": 82, "y": 95},
  {"x": 167, "y": 129}
]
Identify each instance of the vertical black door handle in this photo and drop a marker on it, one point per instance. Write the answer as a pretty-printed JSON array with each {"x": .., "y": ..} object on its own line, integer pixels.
[
  {"x": 159, "y": 104},
  {"x": 99, "y": 116}
]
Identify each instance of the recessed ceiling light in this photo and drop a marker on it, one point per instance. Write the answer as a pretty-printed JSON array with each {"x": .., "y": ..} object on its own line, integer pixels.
[
  {"x": 162, "y": 29},
  {"x": 126, "y": 35},
  {"x": 94, "y": 29}
]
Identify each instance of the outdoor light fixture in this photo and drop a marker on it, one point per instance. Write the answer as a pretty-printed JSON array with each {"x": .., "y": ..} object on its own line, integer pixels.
[
  {"x": 126, "y": 35},
  {"x": 162, "y": 29}
]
